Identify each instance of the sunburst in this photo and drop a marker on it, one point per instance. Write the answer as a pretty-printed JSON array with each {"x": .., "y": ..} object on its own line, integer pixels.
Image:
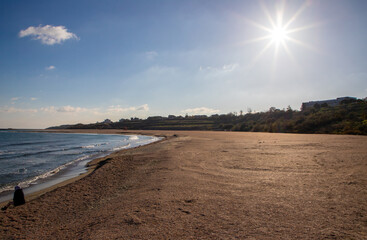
[{"x": 278, "y": 32}]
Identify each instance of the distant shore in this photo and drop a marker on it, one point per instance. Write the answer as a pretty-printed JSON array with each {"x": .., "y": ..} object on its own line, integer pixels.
[{"x": 217, "y": 185}]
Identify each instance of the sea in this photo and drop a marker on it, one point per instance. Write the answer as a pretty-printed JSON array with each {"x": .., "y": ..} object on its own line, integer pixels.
[{"x": 37, "y": 160}]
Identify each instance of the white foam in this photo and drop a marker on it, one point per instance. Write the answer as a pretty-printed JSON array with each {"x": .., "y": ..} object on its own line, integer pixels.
[
  {"x": 122, "y": 147},
  {"x": 134, "y": 137},
  {"x": 44, "y": 175},
  {"x": 90, "y": 146},
  {"x": 95, "y": 145}
]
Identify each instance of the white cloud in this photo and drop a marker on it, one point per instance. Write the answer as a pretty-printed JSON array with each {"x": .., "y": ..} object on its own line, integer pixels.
[
  {"x": 223, "y": 69},
  {"x": 33, "y": 99},
  {"x": 151, "y": 55},
  {"x": 17, "y": 110},
  {"x": 48, "y": 34},
  {"x": 50, "y": 109},
  {"x": 144, "y": 107},
  {"x": 68, "y": 109},
  {"x": 229, "y": 67},
  {"x": 200, "y": 111},
  {"x": 50, "y": 67},
  {"x": 118, "y": 108},
  {"x": 71, "y": 109}
]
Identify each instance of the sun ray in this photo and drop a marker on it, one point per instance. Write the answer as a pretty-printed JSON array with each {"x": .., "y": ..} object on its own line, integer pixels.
[
  {"x": 259, "y": 39},
  {"x": 302, "y": 44},
  {"x": 280, "y": 14},
  {"x": 292, "y": 58},
  {"x": 294, "y": 17},
  {"x": 289, "y": 52},
  {"x": 280, "y": 32},
  {"x": 275, "y": 57},
  {"x": 265, "y": 10},
  {"x": 258, "y": 25},
  {"x": 293, "y": 30},
  {"x": 256, "y": 59}
]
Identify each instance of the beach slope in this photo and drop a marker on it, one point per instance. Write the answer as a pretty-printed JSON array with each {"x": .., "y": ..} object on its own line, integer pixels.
[{"x": 209, "y": 185}]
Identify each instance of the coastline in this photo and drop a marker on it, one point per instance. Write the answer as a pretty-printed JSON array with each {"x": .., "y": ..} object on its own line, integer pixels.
[
  {"x": 61, "y": 177},
  {"x": 202, "y": 185}
]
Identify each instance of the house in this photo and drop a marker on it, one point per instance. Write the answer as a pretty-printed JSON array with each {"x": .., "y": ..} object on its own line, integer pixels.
[
  {"x": 155, "y": 118},
  {"x": 107, "y": 121},
  {"x": 330, "y": 103}
]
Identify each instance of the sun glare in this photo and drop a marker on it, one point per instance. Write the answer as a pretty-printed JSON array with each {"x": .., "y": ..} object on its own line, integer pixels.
[{"x": 278, "y": 32}]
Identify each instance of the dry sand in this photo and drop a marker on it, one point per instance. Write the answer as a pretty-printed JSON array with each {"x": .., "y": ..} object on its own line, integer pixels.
[{"x": 210, "y": 185}]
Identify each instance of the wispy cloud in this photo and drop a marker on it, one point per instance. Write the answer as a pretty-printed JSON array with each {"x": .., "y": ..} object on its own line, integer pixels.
[
  {"x": 144, "y": 107},
  {"x": 33, "y": 99},
  {"x": 50, "y": 109},
  {"x": 151, "y": 55},
  {"x": 229, "y": 67},
  {"x": 223, "y": 69},
  {"x": 50, "y": 67},
  {"x": 14, "y": 99},
  {"x": 48, "y": 34},
  {"x": 67, "y": 109},
  {"x": 200, "y": 111},
  {"x": 17, "y": 110},
  {"x": 71, "y": 109},
  {"x": 118, "y": 108}
]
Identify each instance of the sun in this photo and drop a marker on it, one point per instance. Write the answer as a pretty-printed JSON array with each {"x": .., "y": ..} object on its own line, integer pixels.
[{"x": 279, "y": 32}]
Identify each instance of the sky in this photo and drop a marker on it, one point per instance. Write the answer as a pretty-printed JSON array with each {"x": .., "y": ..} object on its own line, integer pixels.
[{"x": 67, "y": 62}]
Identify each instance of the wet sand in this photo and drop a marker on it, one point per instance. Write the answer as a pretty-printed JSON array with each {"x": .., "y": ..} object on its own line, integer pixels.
[{"x": 209, "y": 185}]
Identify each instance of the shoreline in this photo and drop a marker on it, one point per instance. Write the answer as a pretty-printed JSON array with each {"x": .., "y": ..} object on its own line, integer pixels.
[
  {"x": 200, "y": 185},
  {"x": 60, "y": 178}
]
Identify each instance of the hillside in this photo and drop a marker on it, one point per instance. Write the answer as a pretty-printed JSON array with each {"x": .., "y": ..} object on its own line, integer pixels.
[{"x": 350, "y": 117}]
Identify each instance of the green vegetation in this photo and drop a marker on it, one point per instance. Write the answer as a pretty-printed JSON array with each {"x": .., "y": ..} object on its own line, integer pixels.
[{"x": 350, "y": 117}]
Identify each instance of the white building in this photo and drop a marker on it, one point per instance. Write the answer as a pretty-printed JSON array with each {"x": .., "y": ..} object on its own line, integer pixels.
[{"x": 330, "y": 103}]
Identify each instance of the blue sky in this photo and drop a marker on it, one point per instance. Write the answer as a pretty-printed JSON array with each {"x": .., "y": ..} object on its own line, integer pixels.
[{"x": 83, "y": 61}]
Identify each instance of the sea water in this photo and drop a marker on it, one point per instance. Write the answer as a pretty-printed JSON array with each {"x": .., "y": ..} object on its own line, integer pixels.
[{"x": 33, "y": 158}]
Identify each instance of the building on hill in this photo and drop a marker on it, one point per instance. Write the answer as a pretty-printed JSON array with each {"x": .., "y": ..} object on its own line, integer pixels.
[
  {"x": 107, "y": 121},
  {"x": 155, "y": 118},
  {"x": 199, "y": 116},
  {"x": 330, "y": 103}
]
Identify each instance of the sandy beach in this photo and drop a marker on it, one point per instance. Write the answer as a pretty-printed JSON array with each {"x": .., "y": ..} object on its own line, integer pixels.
[{"x": 208, "y": 185}]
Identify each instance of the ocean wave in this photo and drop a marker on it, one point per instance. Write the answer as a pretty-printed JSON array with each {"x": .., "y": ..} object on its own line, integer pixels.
[
  {"x": 121, "y": 147},
  {"x": 6, "y": 188},
  {"x": 88, "y": 151},
  {"x": 27, "y": 143},
  {"x": 47, "y": 174},
  {"x": 4, "y": 153},
  {"x": 28, "y": 154},
  {"x": 7, "y": 155},
  {"x": 94, "y": 145},
  {"x": 90, "y": 146},
  {"x": 133, "y": 137}
]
